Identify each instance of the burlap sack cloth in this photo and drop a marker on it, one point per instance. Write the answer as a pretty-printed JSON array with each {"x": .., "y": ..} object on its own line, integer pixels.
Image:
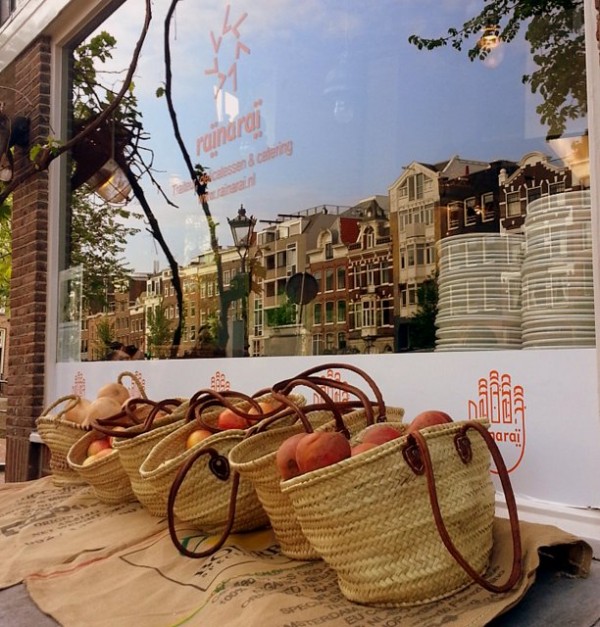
[
  {"x": 44, "y": 525},
  {"x": 250, "y": 583}
]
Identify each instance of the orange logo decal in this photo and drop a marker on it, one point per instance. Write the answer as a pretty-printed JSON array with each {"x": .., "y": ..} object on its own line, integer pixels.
[
  {"x": 219, "y": 382},
  {"x": 134, "y": 391},
  {"x": 338, "y": 396},
  {"x": 503, "y": 404},
  {"x": 79, "y": 384}
]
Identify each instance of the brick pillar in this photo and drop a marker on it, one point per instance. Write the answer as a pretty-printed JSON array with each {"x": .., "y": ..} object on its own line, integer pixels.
[{"x": 25, "y": 389}]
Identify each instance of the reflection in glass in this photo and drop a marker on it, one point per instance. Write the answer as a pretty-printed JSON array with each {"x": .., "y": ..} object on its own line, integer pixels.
[{"x": 386, "y": 171}]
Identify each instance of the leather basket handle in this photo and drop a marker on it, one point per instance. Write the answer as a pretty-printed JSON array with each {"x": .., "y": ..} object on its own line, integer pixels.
[
  {"x": 516, "y": 570},
  {"x": 219, "y": 465},
  {"x": 341, "y": 366}
]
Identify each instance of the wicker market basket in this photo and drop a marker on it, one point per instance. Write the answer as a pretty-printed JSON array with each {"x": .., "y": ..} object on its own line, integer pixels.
[
  {"x": 409, "y": 521},
  {"x": 106, "y": 475},
  {"x": 255, "y": 458},
  {"x": 59, "y": 434},
  {"x": 203, "y": 497},
  {"x": 135, "y": 443}
]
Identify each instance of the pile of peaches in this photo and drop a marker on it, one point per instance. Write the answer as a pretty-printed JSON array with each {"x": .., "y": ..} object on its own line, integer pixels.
[
  {"x": 229, "y": 419},
  {"x": 304, "y": 452},
  {"x": 99, "y": 448},
  {"x": 108, "y": 402}
]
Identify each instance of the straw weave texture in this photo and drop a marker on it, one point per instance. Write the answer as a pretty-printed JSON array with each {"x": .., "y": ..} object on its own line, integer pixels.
[
  {"x": 370, "y": 519},
  {"x": 255, "y": 459},
  {"x": 59, "y": 434},
  {"x": 106, "y": 475},
  {"x": 133, "y": 452},
  {"x": 202, "y": 499}
]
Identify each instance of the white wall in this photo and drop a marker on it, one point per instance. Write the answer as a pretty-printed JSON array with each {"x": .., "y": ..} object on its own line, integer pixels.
[{"x": 547, "y": 420}]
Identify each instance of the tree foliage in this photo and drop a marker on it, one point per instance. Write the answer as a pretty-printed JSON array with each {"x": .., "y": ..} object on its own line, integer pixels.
[
  {"x": 158, "y": 331},
  {"x": 98, "y": 240},
  {"x": 92, "y": 94},
  {"x": 422, "y": 322},
  {"x": 106, "y": 335},
  {"x": 283, "y": 314},
  {"x": 555, "y": 33}
]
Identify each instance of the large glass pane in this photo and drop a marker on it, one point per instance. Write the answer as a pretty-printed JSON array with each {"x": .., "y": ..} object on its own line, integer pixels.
[{"x": 431, "y": 180}]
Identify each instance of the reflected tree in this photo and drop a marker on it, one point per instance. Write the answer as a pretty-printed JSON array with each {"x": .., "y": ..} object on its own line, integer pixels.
[
  {"x": 422, "y": 322},
  {"x": 106, "y": 336},
  {"x": 158, "y": 331},
  {"x": 195, "y": 172},
  {"x": 554, "y": 30},
  {"x": 98, "y": 239},
  {"x": 127, "y": 143}
]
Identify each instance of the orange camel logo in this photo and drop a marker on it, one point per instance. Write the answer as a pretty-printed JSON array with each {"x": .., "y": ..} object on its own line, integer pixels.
[{"x": 503, "y": 404}]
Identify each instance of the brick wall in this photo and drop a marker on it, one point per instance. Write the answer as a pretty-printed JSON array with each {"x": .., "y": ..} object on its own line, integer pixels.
[{"x": 25, "y": 388}]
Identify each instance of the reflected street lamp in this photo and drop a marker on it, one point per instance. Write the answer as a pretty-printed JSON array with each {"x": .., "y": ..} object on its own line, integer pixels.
[{"x": 242, "y": 230}]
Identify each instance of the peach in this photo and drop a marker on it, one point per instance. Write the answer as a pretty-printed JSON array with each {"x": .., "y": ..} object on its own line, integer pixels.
[
  {"x": 228, "y": 419},
  {"x": 321, "y": 449},
  {"x": 285, "y": 458},
  {"x": 102, "y": 407},
  {"x": 112, "y": 438},
  {"x": 428, "y": 418},
  {"x": 266, "y": 407},
  {"x": 357, "y": 449},
  {"x": 99, "y": 455},
  {"x": 197, "y": 435},
  {"x": 98, "y": 445},
  {"x": 114, "y": 390},
  {"x": 78, "y": 411},
  {"x": 379, "y": 433}
]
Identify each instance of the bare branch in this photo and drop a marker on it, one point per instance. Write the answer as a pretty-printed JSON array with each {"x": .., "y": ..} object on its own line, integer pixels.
[
  {"x": 47, "y": 155},
  {"x": 223, "y": 333}
]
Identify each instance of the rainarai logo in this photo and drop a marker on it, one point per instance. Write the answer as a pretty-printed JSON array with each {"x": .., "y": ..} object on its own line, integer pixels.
[
  {"x": 223, "y": 134},
  {"x": 503, "y": 404}
]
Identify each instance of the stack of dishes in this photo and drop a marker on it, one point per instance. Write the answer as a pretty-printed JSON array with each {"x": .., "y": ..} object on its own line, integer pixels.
[
  {"x": 558, "y": 291},
  {"x": 479, "y": 304}
]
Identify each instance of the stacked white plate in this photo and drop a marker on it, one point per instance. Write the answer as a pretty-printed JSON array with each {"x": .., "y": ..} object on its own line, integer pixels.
[
  {"x": 558, "y": 292},
  {"x": 479, "y": 292}
]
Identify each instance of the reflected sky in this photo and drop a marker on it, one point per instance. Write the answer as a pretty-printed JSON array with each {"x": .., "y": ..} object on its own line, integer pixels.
[{"x": 326, "y": 100}]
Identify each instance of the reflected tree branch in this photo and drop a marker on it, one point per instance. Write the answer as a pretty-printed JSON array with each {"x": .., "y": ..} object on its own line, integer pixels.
[{"x": 214, "y": 243}]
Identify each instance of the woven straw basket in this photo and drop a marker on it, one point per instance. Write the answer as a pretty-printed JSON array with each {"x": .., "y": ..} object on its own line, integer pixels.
[
  {"x": 204, "y": 495},
  {"x": 396, "y": 521},
  {"x": 202, "y": 498},
  {"x": 59, "y": 434},
  {"x": 254, "y": 459},
  {"x": 134, "y": 450},
  {"x": 106, "y": 475}
]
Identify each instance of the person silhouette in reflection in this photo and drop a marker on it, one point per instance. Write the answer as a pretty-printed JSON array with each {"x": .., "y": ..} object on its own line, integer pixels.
[
  {"x": 134, "y": 352},
  {"x": 201, "y": 183},
  {"x": 117, "y": 352}
]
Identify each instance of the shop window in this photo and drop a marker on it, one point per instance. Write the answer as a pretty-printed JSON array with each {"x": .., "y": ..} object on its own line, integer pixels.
[
  {"x": 329, "y": 277},
  {"x": 488, "y": 211},
  {"x": 318, "y": 313},
  {"x": 282, "y": 156},
  {"x": 329, "y": 312}
]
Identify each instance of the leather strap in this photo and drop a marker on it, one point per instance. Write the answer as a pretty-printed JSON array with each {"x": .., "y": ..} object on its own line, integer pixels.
[
  {"x": 221, "y": 464},
  {"x": 516, "y": 570}
]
